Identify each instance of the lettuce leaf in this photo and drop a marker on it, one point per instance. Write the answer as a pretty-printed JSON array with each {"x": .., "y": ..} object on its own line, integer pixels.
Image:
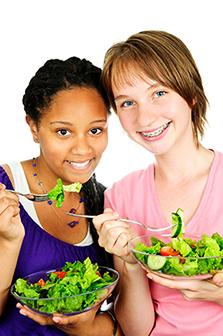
[
  {"x": 68, "y": 291},
  {"x": 57, "y": 193},
  {"x": 195, "y": 256}
]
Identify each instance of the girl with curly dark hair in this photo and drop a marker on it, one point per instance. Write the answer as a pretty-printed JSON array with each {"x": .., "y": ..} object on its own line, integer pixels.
[{"x": 66, "y": 109}]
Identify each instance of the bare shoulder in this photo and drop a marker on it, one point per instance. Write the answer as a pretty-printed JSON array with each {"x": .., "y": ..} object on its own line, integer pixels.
[{"x": 9, "y": 173}]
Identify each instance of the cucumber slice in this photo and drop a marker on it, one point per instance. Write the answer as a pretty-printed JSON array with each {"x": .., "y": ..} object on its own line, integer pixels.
[
  {"x": 156, "y": 262},
  {"x": 177, "y": 221},
  {"x": 180, "y": 213}
]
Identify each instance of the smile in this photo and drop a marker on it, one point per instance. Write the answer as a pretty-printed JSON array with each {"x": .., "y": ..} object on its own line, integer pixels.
[
  {"x": 156, "y": 132},
  {"x": 79, "y": 165}
]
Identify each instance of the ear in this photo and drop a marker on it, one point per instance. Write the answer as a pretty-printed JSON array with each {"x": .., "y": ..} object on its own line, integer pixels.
[
  {"x": 194, "y": 101},
  {"x": 33, "y": 128}
]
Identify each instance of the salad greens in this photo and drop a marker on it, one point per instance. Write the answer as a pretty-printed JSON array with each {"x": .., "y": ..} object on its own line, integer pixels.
[
  {"x": 64, "y": 291},
  {"x": 57, "y": 193},
  {"x": 183, "y": 256},
  {"x": 180, "y": 255}
]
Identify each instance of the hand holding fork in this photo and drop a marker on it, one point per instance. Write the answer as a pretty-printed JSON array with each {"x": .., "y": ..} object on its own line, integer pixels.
[{"x": 45, "y": 197}]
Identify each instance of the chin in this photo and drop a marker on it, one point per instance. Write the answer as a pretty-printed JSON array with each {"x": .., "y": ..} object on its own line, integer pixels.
[
  {"x": 157, "y": 150},
  {"x": 83, "y": 178}
]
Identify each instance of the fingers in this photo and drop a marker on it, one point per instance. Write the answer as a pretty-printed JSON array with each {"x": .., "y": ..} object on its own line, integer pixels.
[
  {"x": 9, "y": 211},
  {"x": 114, "y": 235},
  {"x": 218, "y": 279},
  {"x": 174, "y": 283},
  {"x": 2, "y": 186},
  {"x": 115, "y": 239},
  {"x": 10, "y": 194},
  {"x": 58, "y": 319},
  {"x": 108, "y": 215},
  {"x": 191, "y": 289},
  {"x": 63, "y": 321},
  {"x": 187, "y": 295},
  {"x": 8, "y": 201},
  {"x": 76, "y": 321},
  {"x": 41, "y": 319}
]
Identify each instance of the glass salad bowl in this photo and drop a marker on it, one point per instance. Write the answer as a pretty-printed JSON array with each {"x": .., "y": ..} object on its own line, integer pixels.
[
  {"x": 74, "y": 289},
  {"x": 188, "y": 257}
]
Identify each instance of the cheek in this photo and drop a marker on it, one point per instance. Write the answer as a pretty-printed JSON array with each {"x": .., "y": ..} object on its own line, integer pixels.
[
  {"x": 126, "y": 120},
  {"x": 100, "y": 146},
  {"x": 178, "y": 109},
  {"x": 53, "y": 148}
]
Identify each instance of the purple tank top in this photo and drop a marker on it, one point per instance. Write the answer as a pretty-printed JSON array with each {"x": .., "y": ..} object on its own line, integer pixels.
[{"x": 39, "y": 251}]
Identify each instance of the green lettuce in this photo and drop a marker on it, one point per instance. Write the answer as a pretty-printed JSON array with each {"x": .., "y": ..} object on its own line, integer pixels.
[
  {"x": 66, "y": 294},
  {"x": 57, "y": 193},
  {"x": 194, "y": 257}
]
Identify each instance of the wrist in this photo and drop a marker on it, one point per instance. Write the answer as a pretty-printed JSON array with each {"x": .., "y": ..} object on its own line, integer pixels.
[
  {"x": 115, "y": 322},
  {"x": 111, "y": 323},
  {"x": 9, "y": 244},
  {"x": 132, "y": 268}
]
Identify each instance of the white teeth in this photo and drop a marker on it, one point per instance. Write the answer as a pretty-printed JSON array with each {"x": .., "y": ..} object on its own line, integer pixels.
[
  {"x": 79, "y": 165},
  {"x": 157, "y": 132}
]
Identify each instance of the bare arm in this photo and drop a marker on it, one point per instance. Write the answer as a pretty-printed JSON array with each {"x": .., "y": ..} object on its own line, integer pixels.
[
  {"x": 8, "y": 259},
  {"x": 11, "y": 236},
  {"x": 85, "y": 324},
  {"x": 134, "y": 308}
]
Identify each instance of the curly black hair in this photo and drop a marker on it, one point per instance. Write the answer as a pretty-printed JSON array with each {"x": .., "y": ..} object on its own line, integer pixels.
[{"x": 56, "y": 75}]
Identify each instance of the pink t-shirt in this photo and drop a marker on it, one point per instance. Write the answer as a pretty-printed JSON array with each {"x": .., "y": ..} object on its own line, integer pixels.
[{"x": 135, "y": 197}]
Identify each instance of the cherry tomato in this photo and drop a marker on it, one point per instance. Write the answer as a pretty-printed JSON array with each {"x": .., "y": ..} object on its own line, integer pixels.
[
  {"x": 41, "y": 282},
  {"x": 60, "y": 274},
  {"x": 168, "y": 251}
]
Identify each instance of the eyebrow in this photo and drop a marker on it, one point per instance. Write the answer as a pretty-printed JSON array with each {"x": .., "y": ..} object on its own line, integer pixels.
[
  {"x": 67, "y": 123},
  {"x": 60, "y": 122},
  {"x": 152, "y": 87},
  {"x": 120, "y": 97}
]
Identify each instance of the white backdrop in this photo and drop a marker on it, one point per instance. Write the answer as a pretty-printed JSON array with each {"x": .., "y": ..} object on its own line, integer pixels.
[{"x": 34, "y": 31}]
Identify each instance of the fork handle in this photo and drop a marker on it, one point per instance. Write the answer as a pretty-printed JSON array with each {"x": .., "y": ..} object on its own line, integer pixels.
[
  {"x": 93, "y": 216},
  {"x": 79, "y": 215},
  {"x": 125, "y": 220},
  {"x": 14, "y": 192}
]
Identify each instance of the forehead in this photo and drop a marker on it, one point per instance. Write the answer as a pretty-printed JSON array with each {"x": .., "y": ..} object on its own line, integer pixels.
[
  {"x": 76, "y": 97},
  {"x": 75, "y": 104},
  {"x": 130, "y": 77},
  {"x": 129, "y": 73}
]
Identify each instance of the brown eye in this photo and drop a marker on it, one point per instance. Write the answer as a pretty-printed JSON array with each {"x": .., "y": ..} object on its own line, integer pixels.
[
  {"x": 95, "y": 131},
  {"x": 63, "y": 132}
]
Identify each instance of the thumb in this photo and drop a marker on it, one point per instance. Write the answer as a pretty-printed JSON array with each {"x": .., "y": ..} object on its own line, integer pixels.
[{"x": 218, "y": 279}]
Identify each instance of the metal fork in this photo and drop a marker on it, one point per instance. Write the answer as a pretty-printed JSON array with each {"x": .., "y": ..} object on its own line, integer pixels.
[
  {"x": 125, "y": 220},
  {"x": 31, "y": 197}
]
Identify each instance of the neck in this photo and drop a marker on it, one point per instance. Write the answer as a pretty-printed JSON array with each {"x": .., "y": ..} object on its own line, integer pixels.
[
  {"x": 183, "y": 163},
  {"x": 72, "y": 200},
  {"x": 43, "y": 174}
]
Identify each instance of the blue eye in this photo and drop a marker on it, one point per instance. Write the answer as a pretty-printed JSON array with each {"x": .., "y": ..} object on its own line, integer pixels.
[
  {"x": 160, "y": 93},
  {"x": 127, "y": 103}
]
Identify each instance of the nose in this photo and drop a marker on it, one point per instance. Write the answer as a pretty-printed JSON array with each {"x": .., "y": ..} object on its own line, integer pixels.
[
  {"x": 81, "y": 145},
  {"x": 145, "y": 114}
]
